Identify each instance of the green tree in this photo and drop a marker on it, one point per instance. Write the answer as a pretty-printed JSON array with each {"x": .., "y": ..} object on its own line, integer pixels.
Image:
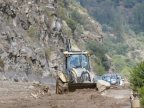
[
  {"x": 99, "y": 51},
  {"x": 137, "y": 80},
  {"x": 129, "y": 3},
  {"x": 138, "y": 18}
]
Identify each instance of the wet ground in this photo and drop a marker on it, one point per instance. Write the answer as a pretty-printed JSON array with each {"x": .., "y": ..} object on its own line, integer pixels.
[{"x": 24, "y": 95}]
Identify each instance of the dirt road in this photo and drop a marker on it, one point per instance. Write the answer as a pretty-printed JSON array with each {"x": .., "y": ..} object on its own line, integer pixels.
[{"x": 20, "y": 95}]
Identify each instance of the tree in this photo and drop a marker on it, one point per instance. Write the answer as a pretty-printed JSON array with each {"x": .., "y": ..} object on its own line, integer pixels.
[
  {"x": 99, "y": 51},
  {"x": 137, "y": 80},
  {"x": 129, "y": 3},
  {"x": 138, "y": 18}
]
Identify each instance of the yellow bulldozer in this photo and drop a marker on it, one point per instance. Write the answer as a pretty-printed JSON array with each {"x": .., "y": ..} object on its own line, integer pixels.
[{"x": 77, "y": 73}]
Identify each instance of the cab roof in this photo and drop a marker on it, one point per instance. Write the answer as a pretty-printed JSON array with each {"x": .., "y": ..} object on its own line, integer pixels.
[{"x": 75, "y": 52}]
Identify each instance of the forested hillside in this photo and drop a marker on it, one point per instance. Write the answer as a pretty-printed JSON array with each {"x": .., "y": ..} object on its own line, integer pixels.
[
  {"x": 123, "y": 23},
  {"x": 117, "y": 12}
]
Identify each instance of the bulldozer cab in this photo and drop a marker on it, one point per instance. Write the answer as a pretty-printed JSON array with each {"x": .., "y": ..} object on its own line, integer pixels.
[{"x": 76, "y": 60}]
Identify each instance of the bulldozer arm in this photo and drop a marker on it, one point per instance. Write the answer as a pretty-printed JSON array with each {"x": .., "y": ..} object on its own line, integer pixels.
[{"x": 62, "y": 77}]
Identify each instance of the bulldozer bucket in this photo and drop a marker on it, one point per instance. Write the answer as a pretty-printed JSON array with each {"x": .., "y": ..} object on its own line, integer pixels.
[{"x": 74, "y": 86}]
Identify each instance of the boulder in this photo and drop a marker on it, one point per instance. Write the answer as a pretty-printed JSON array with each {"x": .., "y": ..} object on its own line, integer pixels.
[{"x": 102, "y": 85}]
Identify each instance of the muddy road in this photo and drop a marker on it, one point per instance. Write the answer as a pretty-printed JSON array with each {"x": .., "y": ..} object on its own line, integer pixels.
[{"x": 24, "y": 95}]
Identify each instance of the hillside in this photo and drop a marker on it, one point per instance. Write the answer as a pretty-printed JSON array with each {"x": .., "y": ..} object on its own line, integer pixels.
[
  {"x": 123, "y": 22},
  {"x": 34, "y": 32},
  {"x": 114, "y": 12}
]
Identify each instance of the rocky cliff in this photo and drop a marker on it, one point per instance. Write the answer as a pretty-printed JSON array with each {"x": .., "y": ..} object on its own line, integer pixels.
[{"x": 33, "y": 34}]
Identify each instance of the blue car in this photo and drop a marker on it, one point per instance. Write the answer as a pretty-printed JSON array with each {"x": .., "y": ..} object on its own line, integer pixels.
[{"x": 111, "y": 78}]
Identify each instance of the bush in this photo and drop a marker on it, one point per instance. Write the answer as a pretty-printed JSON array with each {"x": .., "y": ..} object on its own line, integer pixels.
[
  {"x": 72, "y": 24},
  {"x": 137, "y": 76},
  {"x": 79, "y": 18},
  {"x": 1, "y": 64},
  {"x": 141, "y": 91},
  {"x": 33, "y": 32},
  {"x": 137, "y": 80},
  {"x": 99, "y": 51},
  {"x": 97, "y": 66}
]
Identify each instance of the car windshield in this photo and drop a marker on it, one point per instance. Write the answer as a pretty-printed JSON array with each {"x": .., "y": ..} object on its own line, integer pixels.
[
  {"x": 78, "y": 61},
  {"x": 107, "y": 78},
  {"x": 113, "y": 77}
]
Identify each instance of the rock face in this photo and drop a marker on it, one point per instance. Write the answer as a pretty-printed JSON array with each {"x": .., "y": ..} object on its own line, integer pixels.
[
  {"x": 31, "y": 37},
  {"x": 28, "y": 41}
]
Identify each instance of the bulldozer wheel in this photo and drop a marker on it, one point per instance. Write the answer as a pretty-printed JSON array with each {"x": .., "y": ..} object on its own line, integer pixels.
[{"x": 61, "y": 87}]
